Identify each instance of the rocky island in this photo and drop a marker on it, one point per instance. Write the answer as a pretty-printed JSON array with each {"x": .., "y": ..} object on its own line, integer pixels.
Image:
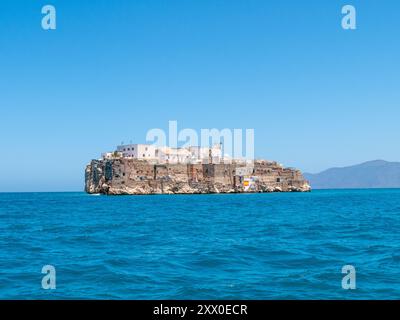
[{"x": 119, "y": 174}]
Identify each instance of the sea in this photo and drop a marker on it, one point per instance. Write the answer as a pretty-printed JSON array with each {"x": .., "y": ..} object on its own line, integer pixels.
[{"x": 216, "y": 246}]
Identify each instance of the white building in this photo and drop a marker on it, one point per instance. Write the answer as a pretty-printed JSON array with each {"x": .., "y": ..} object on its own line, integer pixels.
[
  {"x": 203, "y": 154},
  {"x": 171, "y": 155},
  {"x": 111, "y": 155},
  {"x": 199, "y": 154},
  {"x": 137, "y": 151}
]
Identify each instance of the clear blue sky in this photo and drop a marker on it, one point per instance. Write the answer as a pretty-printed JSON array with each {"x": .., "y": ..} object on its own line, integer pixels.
[{"x": 316, "y": 95}]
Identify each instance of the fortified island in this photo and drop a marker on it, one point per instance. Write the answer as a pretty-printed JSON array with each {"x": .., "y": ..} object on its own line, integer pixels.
[{"x": 145, "y": 169}]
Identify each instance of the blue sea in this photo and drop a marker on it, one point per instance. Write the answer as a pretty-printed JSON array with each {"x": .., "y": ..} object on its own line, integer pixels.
[{"x": 232, "y": 246}]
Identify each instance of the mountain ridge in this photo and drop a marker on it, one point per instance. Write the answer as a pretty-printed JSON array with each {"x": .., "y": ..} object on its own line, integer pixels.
[{"x": 370, "y": 174}]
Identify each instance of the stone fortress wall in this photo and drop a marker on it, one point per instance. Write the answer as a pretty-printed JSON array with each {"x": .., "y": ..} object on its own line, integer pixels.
[{"x": 124, "y": 176}]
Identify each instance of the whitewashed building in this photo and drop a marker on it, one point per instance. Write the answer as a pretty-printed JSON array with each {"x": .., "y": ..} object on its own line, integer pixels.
[
  {"x": 137, "y": 151},
  {"x": 204, "y": 154},
  {"x": 111, "y": 155},
  {"x": 170, "y": 155},
  {"x": 173, "y": 155}
]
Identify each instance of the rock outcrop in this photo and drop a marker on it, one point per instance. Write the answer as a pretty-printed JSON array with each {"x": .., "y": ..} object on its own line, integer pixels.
[{"x": 124, "y": 176}]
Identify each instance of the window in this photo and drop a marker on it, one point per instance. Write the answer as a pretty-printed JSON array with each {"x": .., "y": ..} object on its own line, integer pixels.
[{"x": 144, "y": 155}]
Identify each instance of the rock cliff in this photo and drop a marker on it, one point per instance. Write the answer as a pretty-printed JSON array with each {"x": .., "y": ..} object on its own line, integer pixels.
[{"x": 121, "y": 176}]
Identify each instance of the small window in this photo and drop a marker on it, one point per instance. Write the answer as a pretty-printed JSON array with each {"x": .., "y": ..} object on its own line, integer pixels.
[{"x": 144, "y": 155}]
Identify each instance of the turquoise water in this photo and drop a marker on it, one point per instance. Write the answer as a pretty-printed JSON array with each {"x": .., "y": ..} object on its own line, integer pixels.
[{"x": 244, "y": 246}]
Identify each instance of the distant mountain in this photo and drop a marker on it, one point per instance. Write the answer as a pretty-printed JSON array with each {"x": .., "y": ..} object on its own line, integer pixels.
[{"x": 371, "y": 174}]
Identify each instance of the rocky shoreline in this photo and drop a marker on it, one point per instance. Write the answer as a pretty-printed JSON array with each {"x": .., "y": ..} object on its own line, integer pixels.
[{"x": 125, "y": 176}]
